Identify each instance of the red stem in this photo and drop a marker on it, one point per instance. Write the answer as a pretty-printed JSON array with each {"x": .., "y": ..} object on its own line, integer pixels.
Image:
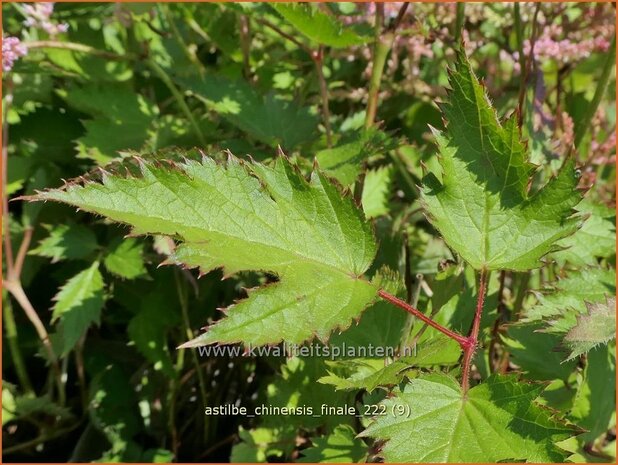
[
  {"x": 463, "y": 341},
  {"x": 474, "y": 332}
]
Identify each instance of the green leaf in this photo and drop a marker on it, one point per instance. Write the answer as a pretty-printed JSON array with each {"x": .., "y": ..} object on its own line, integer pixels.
[
  {"x": 261, "y": 443},
  {"x": 380, "y": 325},
  {"x": 596, "y": 395},
  {"x": 560, "y": 304},
  {"x": 453, "y": 297},
  {"x": 376, "y": 191},
  {"x": 17, "y": 177},
  {"x": 148, "y": 329},
  {"x": 15, "y": 407},
  {"x": 344, "y": 162},
  {"x": 126, "y": 259},
  {"x": 318, "y": 26},
  {"x": 368, "y": 374},
  {"x": 270, "y": 119},
  {"x": 595, "y": 328},
  {"x": 78, "y": 304},
  {"x": 87, "y": 66},
  {"x": 121, "y": 120},
  {"x": 536, "y": 353},
  {"x": 482, "y": 206},
  {"x": 66, "y": 242},
  {"x": 298, "y": 387},
  {"x": 131, "y": 452},
  {"x": 340, "y": 446},
  {"x": 433, "y": 421},
  {"x": 596, "y": 238},
  {"x": 256, "y": 218},
  {"x": 113, "y": 406},
  {"x": 365, "y": 374},
  {"x": 8, "y": 404},
  {"x": 583, "y": 453}
]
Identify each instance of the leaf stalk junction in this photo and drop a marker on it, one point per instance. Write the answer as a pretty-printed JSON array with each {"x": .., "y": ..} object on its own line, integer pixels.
[{"x": 467, "y": 343}]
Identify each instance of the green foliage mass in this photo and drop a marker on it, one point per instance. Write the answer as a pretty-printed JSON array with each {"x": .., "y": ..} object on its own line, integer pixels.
[{"x": 199, "y": 195}]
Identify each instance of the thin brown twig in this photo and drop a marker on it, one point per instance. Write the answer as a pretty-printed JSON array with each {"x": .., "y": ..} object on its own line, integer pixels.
[
  {"x": 12, "y": 280},
  {"x": 43, "y": 438},
  {"x": 400, "y": 14},
  {"x": 381, "y": 47},
  {"x": 284, "y": 34},
  {"x": 23, "y": 251}
]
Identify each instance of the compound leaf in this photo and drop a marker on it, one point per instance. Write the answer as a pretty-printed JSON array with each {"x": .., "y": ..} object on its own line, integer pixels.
[
  {"x": 432, "y": 420},
  {"x": 246, "y": 216},
  {"x": 482, "y": 206}
]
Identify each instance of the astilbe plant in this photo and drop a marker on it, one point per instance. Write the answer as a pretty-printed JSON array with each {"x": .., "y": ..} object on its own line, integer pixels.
[
  {"x": 243, "y": 216},
  {"x": 481, "y": 253}
]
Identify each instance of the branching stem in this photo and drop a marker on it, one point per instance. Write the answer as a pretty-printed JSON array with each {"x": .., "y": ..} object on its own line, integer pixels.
[
  {"x": 463, "y": 341},
  {"x": 168, "y": 15},
  {"x": 472, "y": 340}
]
